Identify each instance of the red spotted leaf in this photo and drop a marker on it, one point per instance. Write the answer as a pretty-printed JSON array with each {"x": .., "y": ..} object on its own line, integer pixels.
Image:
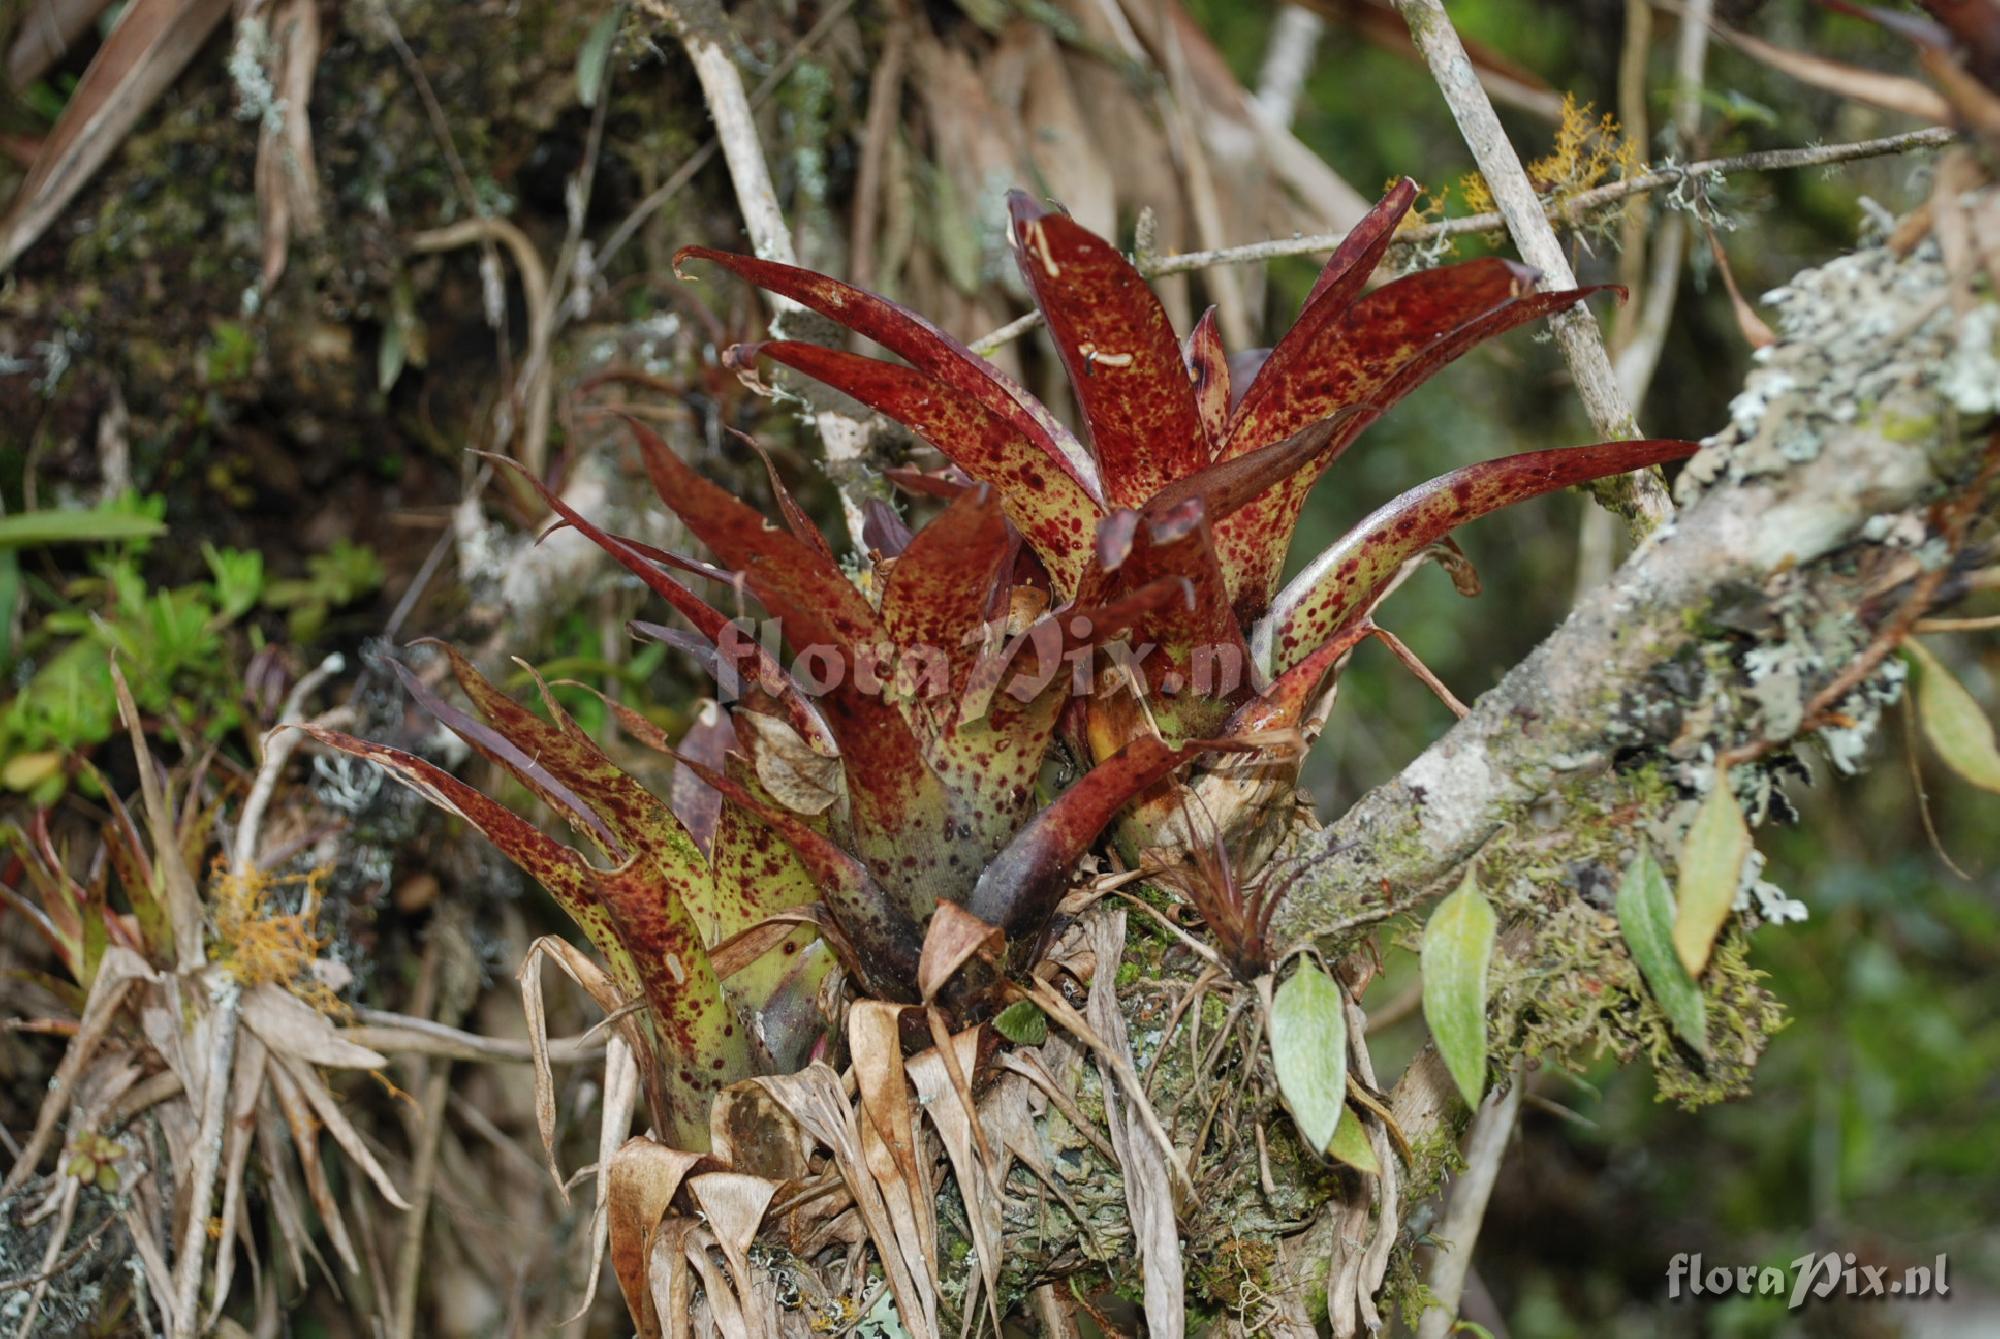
[
  {"x": 751, "y": 668},
  {"x": 1116, "y": 341},
  {"x": 1042, "y": 493},
  {"x": 1400, "y": 336},
  {"x": 898, "y": 806},
  {"x": 884, "y": 935},
  {"x": 1340, "y": 585},
  {"x": 1358, "y": 254},
  {"x": 964, "y": 373},
  {"x": 796, "y": 520},
  {"x": 1208, "y": 372},
  {"x": 1190, "y": 652},
  {"x": 657, "y": 956}
]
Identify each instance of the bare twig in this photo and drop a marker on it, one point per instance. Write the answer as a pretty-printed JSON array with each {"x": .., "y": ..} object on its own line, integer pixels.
[
  {"x": 1568, "y": 212},
  {"x": 1485, "y": 1146},
  {"x": 1640, "y": 495},
  {"x": 228, "y": 1005},
  {"x": 702, "y": 29},
  {"x": 1288, "y": 59},
  {"x": 403, "y": 1034},
  {"x": 278, "y": 746},
  {"x": 1639, "y": 357}
]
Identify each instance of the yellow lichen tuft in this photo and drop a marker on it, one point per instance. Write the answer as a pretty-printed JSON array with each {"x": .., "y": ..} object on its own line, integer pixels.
[
  {"x": 1588, "y": 149},
  {"x": 258, "y": 944}
]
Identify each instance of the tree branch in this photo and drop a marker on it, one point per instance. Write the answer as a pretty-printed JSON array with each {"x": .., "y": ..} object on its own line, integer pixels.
[{"x": 1798, "y": 477}]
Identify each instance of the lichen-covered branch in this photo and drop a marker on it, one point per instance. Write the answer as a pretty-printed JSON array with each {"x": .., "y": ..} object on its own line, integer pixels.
[{"x": 1854, "y": 422}]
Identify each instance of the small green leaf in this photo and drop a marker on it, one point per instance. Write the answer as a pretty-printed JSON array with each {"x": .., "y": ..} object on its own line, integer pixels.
[
  {"x": 1309, "y": 1051},
  {"x": 1458, "y": 947},
  {"x": 1712, "y": 856},
  {"x": 1646, "y": 919},
  {"x": 99, "y": 525},
  {"x": 1953, "y": 722},
  {"x": 1022, "y": 1023},
  {"x": 594, "y": 56},
  {"x": 1351, "y": 1144}
]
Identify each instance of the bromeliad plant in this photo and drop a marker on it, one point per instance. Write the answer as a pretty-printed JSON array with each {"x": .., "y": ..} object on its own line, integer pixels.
[{"x": 829, "y": 813}]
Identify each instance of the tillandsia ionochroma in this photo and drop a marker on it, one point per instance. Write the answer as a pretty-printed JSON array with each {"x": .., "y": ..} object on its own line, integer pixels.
[{"x": 1164, "y": 527}]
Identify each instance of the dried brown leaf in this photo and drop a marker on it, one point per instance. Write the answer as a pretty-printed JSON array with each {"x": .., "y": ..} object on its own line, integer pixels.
[
  {"x": 953, "y": 935},
  {"x": 644, "y": 1174},
  {"x": 791, "y": 771}
]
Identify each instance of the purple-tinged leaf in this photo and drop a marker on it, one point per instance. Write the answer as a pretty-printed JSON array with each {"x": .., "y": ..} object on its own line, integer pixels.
[
  {"x": 1339, "y": 585},
  {"x": 1115, "y": 340},
  {"x": 748, "y": 660},
  {"x": 882, "y": 529},
  {"x": 497, "y": 746},
  {"x": 1042, "y": 494},
  {"x": 696, "y": 803},
  {"x": 1208, "y": 372},
  {"x": 908, "y": 335},
  {"x": 1021, "y": 886},
  {"x": 947, "y": 483}
]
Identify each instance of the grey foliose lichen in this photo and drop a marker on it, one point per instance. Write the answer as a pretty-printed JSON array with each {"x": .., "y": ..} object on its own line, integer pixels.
[{"x": 1868, "y": 338}]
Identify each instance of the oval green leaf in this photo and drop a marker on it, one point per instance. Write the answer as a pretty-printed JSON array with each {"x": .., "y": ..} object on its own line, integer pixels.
[
  {"x": 1712, "y": 856},
  {"x": 1309, "y": 1051},
  {"x": 1953, "y": 722},
  {"x": 1646, "y": 919},
  {"x": 1351, "y": 1145},
  {"x": 1457, "y": 951}
]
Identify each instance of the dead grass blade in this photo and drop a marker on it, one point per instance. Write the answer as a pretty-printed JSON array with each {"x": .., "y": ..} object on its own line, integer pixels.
[
  {"x": 336, "y": 1123},
  {"x": 1891, "y": 92},
  {"x": 815, "y": 1099},
  {"x": 246, "y": 1087},
  {"x": 621, "y": 1098},
  {"x": 305, "y": 1139},
  {"x": 734, "y": 1204},
  {"x": 889, "y": 1142},
  {"x": 291, "y": 1027},
  {"x": 953, "y": 935},
  {"x": 287, "y": 178},
  {"x": 580, "y": 969},
  {"x": 1149, "y": 1191},
  {"x": 147, "y": 50},
  {"x": 938, "y": 1076}
]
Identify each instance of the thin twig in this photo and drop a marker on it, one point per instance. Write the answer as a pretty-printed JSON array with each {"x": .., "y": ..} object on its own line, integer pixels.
[
  {"x": 404, "y": 1034},
  {"x": 1639, "y": 358},
  {"x": 1569, "y": 211},
  {"x": 278, "y": 746},
  {"x": 1485, "y": 1146},
  {"x": 700, "y": 25},
  {"x": 1639, "y": 496}
]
